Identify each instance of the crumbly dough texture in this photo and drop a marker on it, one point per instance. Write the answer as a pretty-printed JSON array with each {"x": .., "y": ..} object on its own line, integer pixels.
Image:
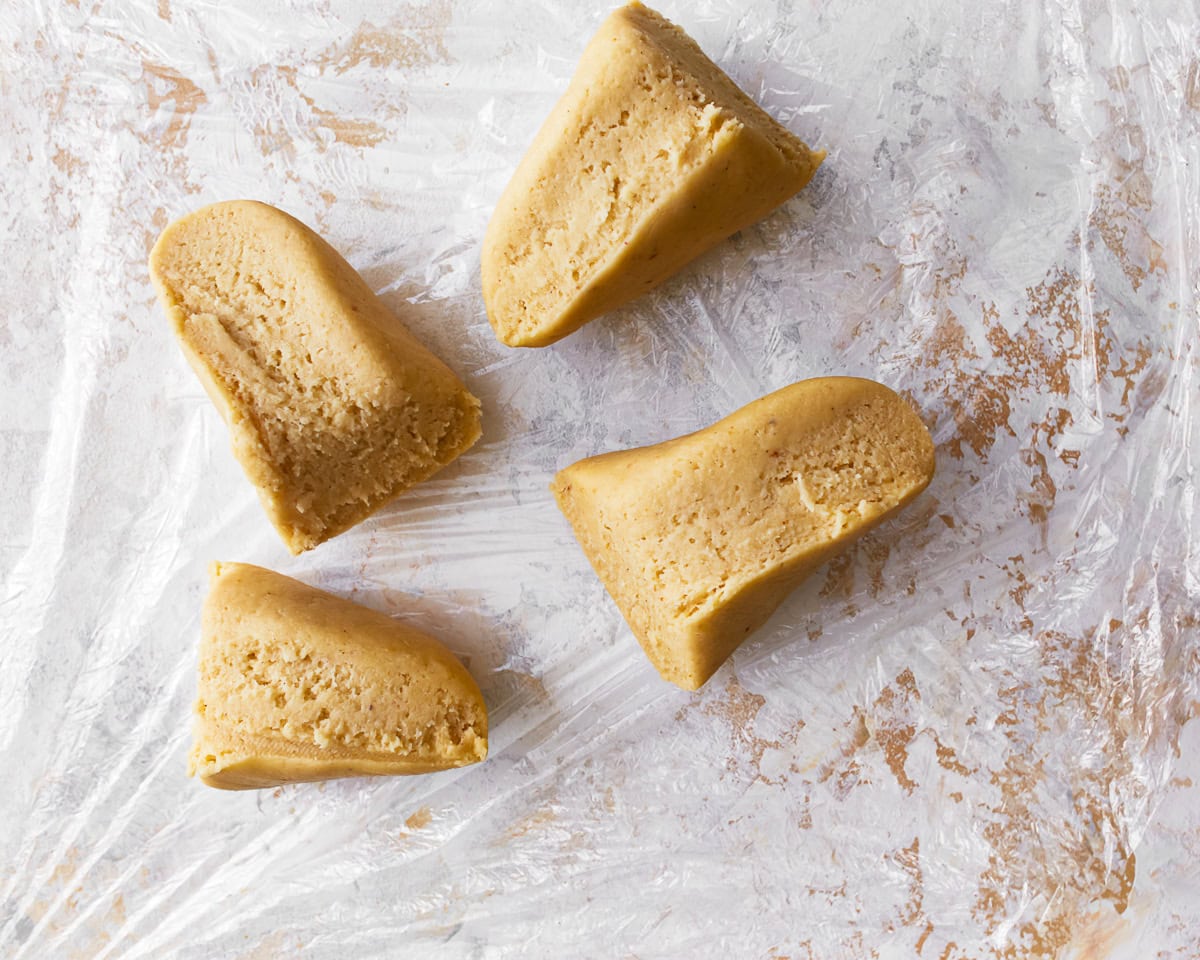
[
  {"x": 651, "y": 157},
  {"x": 333, "y": 406},
  {"x": 699, "y": 539},
  {"x": 297, "y": 684}
]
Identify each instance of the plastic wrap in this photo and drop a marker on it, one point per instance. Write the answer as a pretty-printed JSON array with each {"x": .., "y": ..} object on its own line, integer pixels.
[{"x": 975, "y": 735}]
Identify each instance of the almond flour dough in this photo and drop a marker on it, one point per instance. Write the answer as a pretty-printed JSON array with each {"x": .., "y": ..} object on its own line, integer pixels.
[
  {"x": 651, "y": 157},
  {"x": 333, "y": 407},
  {"x": 699, "y": 539},
  {"x": 297, "y": 684}
]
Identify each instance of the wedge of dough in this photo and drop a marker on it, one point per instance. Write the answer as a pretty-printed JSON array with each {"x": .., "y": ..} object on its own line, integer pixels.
[
  {"x": 297, "y": 684},
  {"x": 699, "y": 539},
  {"x": 333, "y": 406},
  {"x": 651, "y": 157}
]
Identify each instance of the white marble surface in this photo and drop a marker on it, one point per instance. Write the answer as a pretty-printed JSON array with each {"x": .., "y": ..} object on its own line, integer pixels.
[{"x": 976, "y": 736}]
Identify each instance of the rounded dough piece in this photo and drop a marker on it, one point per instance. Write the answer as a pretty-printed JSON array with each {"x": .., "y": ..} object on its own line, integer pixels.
[
  {"x": 297, "y": 684},
  {"x": 652, "y": 156},
  {"x": 699, "y": 539},
  {"x": 333, "y": 407}
]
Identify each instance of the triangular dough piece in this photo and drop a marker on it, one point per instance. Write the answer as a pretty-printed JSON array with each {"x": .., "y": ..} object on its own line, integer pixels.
[
  {"x": 651, "y": 157},
  {"x": 297, "y": 684},
  {"x": 699, "y": 539},
  {"x": 333, "y": 406}
]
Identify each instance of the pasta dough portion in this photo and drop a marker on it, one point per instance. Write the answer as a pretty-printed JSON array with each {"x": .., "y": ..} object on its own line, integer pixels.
[
  {"x": 699, "y": 539},
  {"x": 333, "y": 407},
  {"x": 651, "y": 157},
  {"x": 297, "y": 684}
]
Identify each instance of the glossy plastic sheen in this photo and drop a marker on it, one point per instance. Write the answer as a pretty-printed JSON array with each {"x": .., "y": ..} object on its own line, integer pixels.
[{"x": 976, "y": 736}]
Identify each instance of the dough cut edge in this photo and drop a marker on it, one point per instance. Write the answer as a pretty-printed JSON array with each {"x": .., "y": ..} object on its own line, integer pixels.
[
  {"x": 298, "y": 541},
  {"x": 226, "y": 767},
  {"x": 233, "y": 771}
]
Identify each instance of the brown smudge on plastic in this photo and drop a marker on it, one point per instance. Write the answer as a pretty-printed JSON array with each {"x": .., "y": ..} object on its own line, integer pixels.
[
  {"x": 1098, "y": 937},
  {"x": 414, "y": 38},
  {"x": 980, "y": 410},
  {"x": 1130, "y": 370},
  {"x": 70, "y": 887},
  {"x": 876, "y": 553},
  {"x": 166, "y": 86},
  {"x": 610, "y": 799},
  {"x": 912, "y": 911},
  {"x": 801, "y": 951},
  {"x": 67, "y": 162},
  {"x": 1058, "y": 335},
  {"x": 894, "y": 727},
  {"x": 420, "y": 819},
  {"x": 57, "y": 100},
  {"x": 844, "y": 769},
  {"x": 1091, "y": 859},
  {"x": 1015, "y": 568},
  {"x": 63, "y": 872},
  {"x": 523, "y": 826},
  {"x": 1118, "y": 208},
  {"x": 1039, "y": 498},
  {"x": 347, "y": 130},
  {"x": 274, "y": 134},
  {"x": 158, "y": 222},
  {"x": 948, "y": 760},
  {"x": 739, "y": 708},
  {"x": 116, "y": 912},
  {"x": 1123, "y": 232},
  {"x": 101, "y": 934},
  {"x": 1038, "y": 356}
]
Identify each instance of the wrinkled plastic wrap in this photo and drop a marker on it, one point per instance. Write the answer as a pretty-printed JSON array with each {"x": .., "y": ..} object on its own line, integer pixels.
[{"x": 973, "y": 736}]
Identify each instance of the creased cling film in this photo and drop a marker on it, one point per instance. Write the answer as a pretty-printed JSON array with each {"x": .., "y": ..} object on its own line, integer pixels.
[{"x": 973, "y": 736}]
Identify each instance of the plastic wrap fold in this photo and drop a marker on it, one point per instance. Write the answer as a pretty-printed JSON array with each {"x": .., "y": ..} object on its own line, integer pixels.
[{"x": 973, "y": 736}]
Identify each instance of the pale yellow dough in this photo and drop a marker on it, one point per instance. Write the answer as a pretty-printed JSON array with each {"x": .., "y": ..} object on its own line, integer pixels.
[
  {"x": 333, "y": 406},
  {"x": 297, "y": 684},
  {"x": 699, "y": 539},
  {"x": 651, "y": 157}
]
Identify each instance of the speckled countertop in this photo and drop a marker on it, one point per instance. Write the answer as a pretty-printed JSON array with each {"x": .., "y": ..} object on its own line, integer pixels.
[{"x": 977, "y": 735}]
